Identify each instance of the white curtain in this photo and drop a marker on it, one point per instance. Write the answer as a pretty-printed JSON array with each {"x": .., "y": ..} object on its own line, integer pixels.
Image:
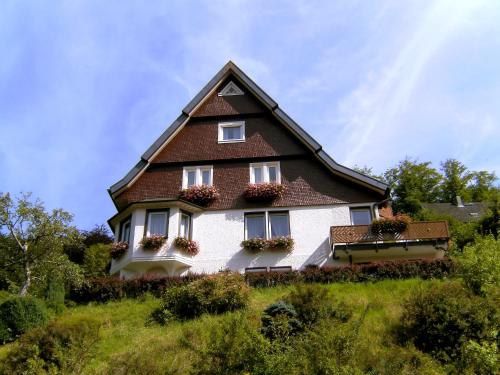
[
  {"x": 256, "y": 227},
  {"x": 279, "y": 225},
  {"x": 158, "y": 223}
]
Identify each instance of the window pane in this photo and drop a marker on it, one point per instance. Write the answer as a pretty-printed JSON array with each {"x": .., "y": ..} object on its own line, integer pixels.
[
  {"x": 231, "y": 132},
  {"x": 257, "y": 175},
  {"x": 125, "y": 235},
  {"x": 157, "y": 223},
  {"x": 273, "y": 176},
  {"x": 256, "y": 226},
  {"x": 191, "y": 176},
  {"x": 279, "y": 225},
  {"x": 205, "y": 177},
  {"x": 184, "y": 230},
  {"x": 361, "y": 217}
]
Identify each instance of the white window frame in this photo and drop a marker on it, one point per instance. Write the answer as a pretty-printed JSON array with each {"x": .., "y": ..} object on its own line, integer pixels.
[
  {"x": 231, "y": 124},
  {"x": 254, "y": 214},
  {"x": 190, "y": 224},
  {"x": 122, "y": 226},
  {"x": 166, "y": 213},
  {"x": 364, "y": 208},
  {"x": 265, "y": 171},
  {"x": 198, "y": 179},
  {"x": 276, "y": 213},
  {"x": 267, "y": 222}
]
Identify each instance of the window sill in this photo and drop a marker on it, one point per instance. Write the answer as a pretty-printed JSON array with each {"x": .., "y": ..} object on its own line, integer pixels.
[{"x": 232, "y": 141}]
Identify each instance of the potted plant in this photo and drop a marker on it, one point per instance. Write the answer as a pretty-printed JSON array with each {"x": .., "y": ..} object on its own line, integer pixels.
[
  {"x": 153, "y": 242},
  {"x": 254, "y": 244},
  {"x": 281, "y": 243},
  {"x": 118, "y": 249},
  {"x": 188, "y": 246},
  {"x": 265, "y": 192},
  {"x": 202, "y": 195},
  {"x": 396, "y": 224}
]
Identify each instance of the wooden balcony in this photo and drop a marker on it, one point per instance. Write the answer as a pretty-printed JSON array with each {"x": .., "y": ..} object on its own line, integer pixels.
[{"x": 416, "y": 231}]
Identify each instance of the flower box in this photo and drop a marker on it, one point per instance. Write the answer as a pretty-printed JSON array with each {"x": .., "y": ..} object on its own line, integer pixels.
[
  {"x": 190, "y": 247},
  {"x": 153, "y": 243},
  {"x": 118, "y": 249},
  {"x": 202, "y": 195},
  {"x": 265, "y": 192},
  {"x": 275, "y": 244},
  {"x": 397, "y": 224}
]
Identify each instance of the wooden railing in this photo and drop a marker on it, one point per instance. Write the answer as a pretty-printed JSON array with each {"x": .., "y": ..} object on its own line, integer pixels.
[{"x": 421, "y": 230}]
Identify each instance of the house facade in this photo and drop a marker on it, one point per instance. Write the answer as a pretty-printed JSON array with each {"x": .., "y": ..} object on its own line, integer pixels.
[{"x": 234, "y": 167}]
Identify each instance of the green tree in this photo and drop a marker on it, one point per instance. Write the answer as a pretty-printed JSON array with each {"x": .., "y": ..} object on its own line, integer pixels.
[
  {"x": 413, "y": 183},
  {"x": 482, "y": 186},
  {"x": 456, "y": 177},
  {"x": 368, "y": 171},
  {"x": 96, "y": 260},
  {"x": 37, "y": 238}
]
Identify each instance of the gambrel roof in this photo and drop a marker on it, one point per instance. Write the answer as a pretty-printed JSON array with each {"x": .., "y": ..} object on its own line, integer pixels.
[{"x": 231, "y": 69}]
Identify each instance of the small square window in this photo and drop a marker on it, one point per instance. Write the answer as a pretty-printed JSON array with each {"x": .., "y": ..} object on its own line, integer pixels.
[
  {"x": 361, "y": 216},
  {"x": 255, "y": 226},
  {"x": 231, "y": 132}
]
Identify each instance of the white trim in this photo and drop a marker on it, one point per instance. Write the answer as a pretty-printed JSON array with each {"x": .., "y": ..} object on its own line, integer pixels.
[
  {"x": 198, "y": 177},
  {"x": 165, "y": 214},
  {"x": 231, "y": 124},
  {"x": 277, "y": 213},
  {"x": 365, "y": 208},
  {"x": 255, "y": 214},
  {"x": 265, "y": 171},
  {"x": 226, "y": 90}
]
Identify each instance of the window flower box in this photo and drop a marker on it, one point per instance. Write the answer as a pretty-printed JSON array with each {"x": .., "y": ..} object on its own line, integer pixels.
[
  {"x": 153, "y": 242},
  {"x": 188, "y": 246},
  {"x": 118, "y": 249},
  {"x": 397, "y": 224},
  {"x": 202, "y": 195},
  {"x": 265, "y": 192},
  {"x": 254, "y": 244}
]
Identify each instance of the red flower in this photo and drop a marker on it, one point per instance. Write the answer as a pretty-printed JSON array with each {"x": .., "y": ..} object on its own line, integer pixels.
[
  {"x": 201, "y": 195},
  {"x": 118, "y": 249},
  {"x": 264, "y": 192},
  {"x": 154, "y": 242},
  {"x": 188, "y": 246}
]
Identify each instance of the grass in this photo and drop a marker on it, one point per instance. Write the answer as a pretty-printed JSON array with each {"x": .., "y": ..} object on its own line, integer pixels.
[{"x": 125, "y": 332}]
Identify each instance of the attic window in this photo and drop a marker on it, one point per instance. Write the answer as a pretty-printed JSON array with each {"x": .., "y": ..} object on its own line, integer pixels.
[
  {"x": 231, "y": 90},
  {"x": 231, "y": 132}
]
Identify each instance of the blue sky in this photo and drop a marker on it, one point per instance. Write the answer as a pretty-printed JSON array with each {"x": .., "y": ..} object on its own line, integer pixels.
[{"x": 87, "y": 86}]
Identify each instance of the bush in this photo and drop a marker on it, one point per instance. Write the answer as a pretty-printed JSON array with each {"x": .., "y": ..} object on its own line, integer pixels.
[
  {"x": 264, "y": 192},
  {"x": 480, "y": 264},
  {"x": 61, "y": 347},
  {"x": 440, "y": 320},
  {"x": 213, "y": 294},
  {"x": 188, "y": 246},
  {"x": 153, "y": 242},
  {"x": 279, "y": 320},
  {"x": 96, "y": 260},
  {"x": 202, "y": 195},
  {"x": 20, "y": 314},
  {"x": 118, "y": 249},
  {"x": 479, "y": 359},
  {"x": 312, "y": 302}
]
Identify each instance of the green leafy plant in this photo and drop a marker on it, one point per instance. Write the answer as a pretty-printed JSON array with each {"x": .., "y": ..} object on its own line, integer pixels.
[
  {"x": 153, "y": 242},
  {"x": 279, "y": 321},
  {"x": 20, "y": 314},
  {"x": 281, "y": 244},
  {"x": 254, "y": 244},
  {"x": 397, "y": 224}
]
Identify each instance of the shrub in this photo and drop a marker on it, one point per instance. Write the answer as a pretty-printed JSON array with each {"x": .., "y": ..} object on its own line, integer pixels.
[
  {"x": 96, "y": 260},
  {"x": 264, "y": 192},
  {"x": 281, "y": 243},
  {"x": 479, "y": 359},
  {"x": 440, "y": 320},
  {"x": 312, "y": 302},
  {"x": 118, "y": 249},
  {"x": 61, "y": 347},
  {"x": 397, "y": 224},
  {"x": 202, "y": 195},
  {"x": 213, "y": 294},
  {"x": 480, "y": 264},
  {"x": 188, "y": 246},
  {"x": 153, "y": 242},
  {"x": 254, "y": 244},
  {"x": 20, "y": 314},
  {"x": 279, "y": 320}
]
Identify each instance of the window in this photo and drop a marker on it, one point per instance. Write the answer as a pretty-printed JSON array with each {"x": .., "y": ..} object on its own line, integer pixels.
[
  {"x": 197, "y": 176},
  {"x": 361, "y": 216},
  {"x": 157, "y": 223},
  {"x": 185, "y": 225},
  {"x": 255, "y": 225},
  {"x": 280, "y": 269},
  {"x": 231, "y": 90},
  {"x": 279, "y": 224},
  {"x": 265, "y": 172},
  {"x": 255, "y": 269},
  {"x": 125, "y": 231},
  {"x": 231, "y": 132},
  {"x": 267, "y": 225}
]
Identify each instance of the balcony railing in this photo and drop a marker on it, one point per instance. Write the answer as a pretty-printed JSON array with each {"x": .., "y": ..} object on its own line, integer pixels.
[{"x": 421, "y": 230}]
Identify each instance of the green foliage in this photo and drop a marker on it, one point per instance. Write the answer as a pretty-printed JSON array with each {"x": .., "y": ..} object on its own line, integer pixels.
[
  {"x": 490, "y": 223},
  {"x": 479, "y": 358},
  {"x": 20, "y": 314},
  {"x": 480, "y": 264},
  {"x": 60, "y": 347},
  {"x": 312, "y": 302},
  {"x": 279, "y": 321},
  {"x": 456, "y": 178},
  {"x": 396, "y": 224},
  {"x": 213, "y": 294},
  {"x": 483, "y": 186},
  {"x": 54, "y": 293},
  {"x": 440, "y": 320},
  {"x": 413, "y": 183},
  {"x": 96, "y": 260}
]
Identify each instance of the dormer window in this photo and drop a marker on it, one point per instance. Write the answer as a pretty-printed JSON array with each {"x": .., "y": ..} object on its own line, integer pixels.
[
  {"x": 231, "y": 90},
  {"x": 231, "y": 131},
  {"x": 201, "y": 175},
  {"x": 265, "y": 172}
]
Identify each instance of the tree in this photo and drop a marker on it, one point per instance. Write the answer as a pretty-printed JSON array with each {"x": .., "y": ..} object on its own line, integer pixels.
[
  {"x": 482, "y": 186},
  {"x": 97, "y": 260},
  {"x": 367, "y": 171},
  {"x": 456, "y": 177},
  {"x": 98, "y": 235},
  {"x": 413, "y": 183},
  {"x": 37, "y": 238}
]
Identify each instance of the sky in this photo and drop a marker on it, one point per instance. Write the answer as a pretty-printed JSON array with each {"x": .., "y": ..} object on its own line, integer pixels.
[{"x": 87, "y": 86}]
